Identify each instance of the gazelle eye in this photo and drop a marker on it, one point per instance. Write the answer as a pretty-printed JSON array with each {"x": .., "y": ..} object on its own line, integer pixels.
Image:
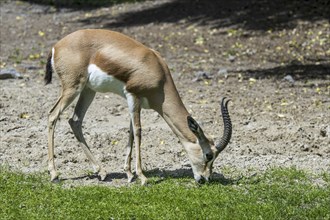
[{"x": 209, "y": 156}]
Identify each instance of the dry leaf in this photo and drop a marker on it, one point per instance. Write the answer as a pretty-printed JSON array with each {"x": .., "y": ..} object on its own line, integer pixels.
[
  {"x": 41, "y": 33},
  {"x": 24, "y": 115}
]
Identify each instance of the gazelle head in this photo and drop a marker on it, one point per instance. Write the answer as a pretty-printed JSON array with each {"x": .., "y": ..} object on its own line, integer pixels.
[{"x": 203, "y": 153}]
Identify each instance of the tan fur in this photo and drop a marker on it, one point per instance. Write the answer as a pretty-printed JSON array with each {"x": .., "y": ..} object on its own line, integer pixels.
[{"x": 145, "y": 75}]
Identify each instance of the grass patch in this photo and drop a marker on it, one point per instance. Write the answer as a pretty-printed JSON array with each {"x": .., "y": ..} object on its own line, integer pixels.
[{"x": 277, "y": 194}]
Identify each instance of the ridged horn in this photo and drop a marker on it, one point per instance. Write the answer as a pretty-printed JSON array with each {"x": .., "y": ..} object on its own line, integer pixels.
[{"x": 227, "y": 126}]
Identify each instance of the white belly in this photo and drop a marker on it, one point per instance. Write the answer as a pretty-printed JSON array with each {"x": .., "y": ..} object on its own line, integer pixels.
[{"x": 100, "y": 81}]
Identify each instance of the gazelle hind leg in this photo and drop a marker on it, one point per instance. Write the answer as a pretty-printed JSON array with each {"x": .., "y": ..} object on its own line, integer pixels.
[
  {"x": 62, "y": 103},
  {"x": 85, "y": 99},
  {"x": 134, "y": 105},
  {"x": 128, "y": 159}
]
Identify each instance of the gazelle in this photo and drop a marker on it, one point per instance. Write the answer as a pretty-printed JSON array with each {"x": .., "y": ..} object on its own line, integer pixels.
[{"x": 90, "y": 61}]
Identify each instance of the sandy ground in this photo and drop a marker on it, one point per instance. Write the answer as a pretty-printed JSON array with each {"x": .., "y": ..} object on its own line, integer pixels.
[{"x": 278, "y": 121}]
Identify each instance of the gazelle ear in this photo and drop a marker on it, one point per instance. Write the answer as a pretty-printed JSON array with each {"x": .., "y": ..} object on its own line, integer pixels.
[{"x": 195, "y": 128}]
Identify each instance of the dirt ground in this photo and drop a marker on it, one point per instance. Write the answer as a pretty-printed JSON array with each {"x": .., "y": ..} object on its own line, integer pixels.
[{"x": 272, "y": 58}]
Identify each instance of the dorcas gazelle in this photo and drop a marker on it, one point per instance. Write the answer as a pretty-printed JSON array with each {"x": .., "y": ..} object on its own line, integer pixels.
[{"x": 90, "y": 61}]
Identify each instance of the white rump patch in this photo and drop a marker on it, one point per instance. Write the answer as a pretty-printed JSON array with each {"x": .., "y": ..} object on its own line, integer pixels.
[
  {"x": 52, "y": 60},
  {"x": 100, "y": 81}
]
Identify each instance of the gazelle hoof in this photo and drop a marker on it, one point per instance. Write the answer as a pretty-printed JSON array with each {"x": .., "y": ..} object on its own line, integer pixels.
[
  {"x": 130, "y": 177},
  {"x": 103, "y": 174},
  {"x": 54, "y": 177},
  {"x": 56, "y": 180},
  {"x": 144, "y": 180}
]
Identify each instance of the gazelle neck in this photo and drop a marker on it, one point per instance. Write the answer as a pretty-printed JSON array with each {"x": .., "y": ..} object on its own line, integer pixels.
[
  {"x": 177, "y": 123},
  {"x": 175, "y": 113}
]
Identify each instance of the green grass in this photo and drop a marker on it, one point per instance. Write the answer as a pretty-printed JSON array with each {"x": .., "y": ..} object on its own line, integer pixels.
[{"x": 276, "y": 194}]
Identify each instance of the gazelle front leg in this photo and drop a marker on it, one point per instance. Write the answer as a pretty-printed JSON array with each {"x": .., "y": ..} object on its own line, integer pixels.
[
  {"x": 134, "y": 105},
  {"x": 128, "y": 159}
]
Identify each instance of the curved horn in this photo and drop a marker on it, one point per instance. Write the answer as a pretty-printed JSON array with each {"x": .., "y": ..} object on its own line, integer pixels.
[{"x": 227, "y": 126}]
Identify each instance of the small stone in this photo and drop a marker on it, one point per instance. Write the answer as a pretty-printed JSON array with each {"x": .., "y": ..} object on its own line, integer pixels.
[
  {"x": 231, "y": 58},
  {"x": 223, "y": 72},
  {"x": 323, "y": 132},
  {"x": 201, "y": 75},
  {"x": 304, "y": 148},
  {"x": 10, "y": 74},
  {"x": 289, "y": 79}
]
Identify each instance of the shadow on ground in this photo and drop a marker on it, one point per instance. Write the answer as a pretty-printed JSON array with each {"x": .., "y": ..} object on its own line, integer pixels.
[
  {"x": 296, "y": 70},
  {"x": 162, "y": 175},
  {"x": 249, "y": 14},
  {"x": 80, "y": 4},
  {"x": 216, "y": 178}
]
